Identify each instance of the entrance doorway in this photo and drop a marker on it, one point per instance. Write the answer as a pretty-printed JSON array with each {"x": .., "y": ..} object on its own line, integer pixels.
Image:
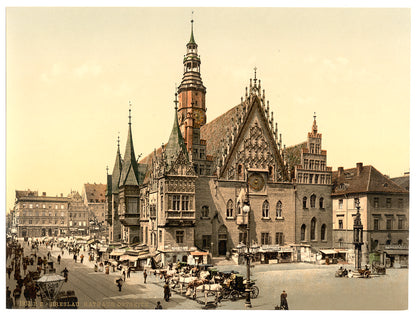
[{"x": 222, "y": 247}]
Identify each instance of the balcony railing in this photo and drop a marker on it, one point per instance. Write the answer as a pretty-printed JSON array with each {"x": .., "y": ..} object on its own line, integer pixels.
[{"x": 173, "y": 214}]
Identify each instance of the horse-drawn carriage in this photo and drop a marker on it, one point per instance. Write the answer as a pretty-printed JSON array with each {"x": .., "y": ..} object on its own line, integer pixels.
[
  {"x": 235, "y": 288},
  {"x": 378, "y": 269}
]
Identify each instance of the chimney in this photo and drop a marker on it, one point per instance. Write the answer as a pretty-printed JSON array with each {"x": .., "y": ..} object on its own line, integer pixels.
[
  {"x": 359, "y": 168},
  {"x": 44, "y": 194},
  {"x": 340, "y": 171}
]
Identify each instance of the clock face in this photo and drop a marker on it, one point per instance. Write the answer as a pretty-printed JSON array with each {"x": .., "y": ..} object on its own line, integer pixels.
[
  {"x": 256, "y": 182},
  {"x": 198, "y": 117}
]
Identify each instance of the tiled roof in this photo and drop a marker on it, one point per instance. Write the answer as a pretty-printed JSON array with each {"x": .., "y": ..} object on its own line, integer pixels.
[
  {"x": 216, "y": 130},
  {"x": 369, "y": 180},
  {"x": 402, "y": 181},
  {"x": 95, "y": 192},
  {"x": 293, "y": 154}
]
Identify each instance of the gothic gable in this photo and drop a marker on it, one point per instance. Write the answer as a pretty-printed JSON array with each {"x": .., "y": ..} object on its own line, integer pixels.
[
  {"x": 252, "y": 146},
  {"x": 181, "y": 166}
]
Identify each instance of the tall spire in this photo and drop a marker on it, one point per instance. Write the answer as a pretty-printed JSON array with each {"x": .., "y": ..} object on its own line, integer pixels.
[
  {"x": 176, "y": 142},
  {"x": 118, "y": 166},
  {"x": 130, "y": 172},
  {"x": 192, "y": 40}
]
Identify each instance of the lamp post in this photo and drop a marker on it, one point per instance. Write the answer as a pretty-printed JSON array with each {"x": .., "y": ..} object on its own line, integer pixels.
[
  {"x": 358, "y": 236},
  {"x": 247, "y": 251}
]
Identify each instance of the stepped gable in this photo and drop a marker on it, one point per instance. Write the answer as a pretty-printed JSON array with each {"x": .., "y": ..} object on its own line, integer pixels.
[{"x": 363, "y": 179}]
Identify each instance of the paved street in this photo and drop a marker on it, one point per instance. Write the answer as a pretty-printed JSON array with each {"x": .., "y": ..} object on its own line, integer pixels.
[{"x": 309, "y": 287}]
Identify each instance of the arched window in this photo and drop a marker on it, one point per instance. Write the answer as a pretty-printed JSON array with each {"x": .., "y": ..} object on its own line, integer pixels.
[
  {"x": 303, "y": 232},
  {"x": 313, "y": 228},
  {"x": 388, "y": 242},
  {"x": 323, "y": 232},
  {"x": 230, "y": 208},
  {"x": 279, "y": 209},
  {"x": 321, "y": 203},
  {"x": 400, "y": 242},
  {"x": 305, "y": 200},
  {"x": 313, "y": 199},
  {"x": 265, "y": 209}
]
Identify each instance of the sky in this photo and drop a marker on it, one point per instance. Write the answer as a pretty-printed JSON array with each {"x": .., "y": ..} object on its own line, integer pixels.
[{"x": 71, "y": 72}]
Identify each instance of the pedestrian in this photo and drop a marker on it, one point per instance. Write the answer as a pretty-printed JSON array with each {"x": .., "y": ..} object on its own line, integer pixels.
[
  {"x": 59, "y": 259},
  {"x": 144, "y": 276},
  {"x": 82, "y": 258},
  {"x": 75, "y": 257},
  {"x": 16, "y": 294},
  {"x": 158, "y": 306},
  {"x": 124, "y": 275},
  {"x": 283, "y": 301},
  {"x": 26, "y": 294},
  {"x": 119, "y": 284},
  {"x": 9, "y": 271},
  {"x": 9, "y": 299},
  {"x": 128, "y": 272},
  {"x": 166, "y": 292}
]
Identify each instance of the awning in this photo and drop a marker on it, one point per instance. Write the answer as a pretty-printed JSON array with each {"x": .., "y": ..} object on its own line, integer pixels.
[
  {"x": 103, "y": 249},
  {"x": 286, "y": 251},
  {"x": 117, "y": 252},
  {"x": 397, "y": 252},
  {"x": 199, "y": 253},
  {"x": 126, "y": 257},
  {"x": 329, "y": 251},
  {"x": 145, "y": 256}
]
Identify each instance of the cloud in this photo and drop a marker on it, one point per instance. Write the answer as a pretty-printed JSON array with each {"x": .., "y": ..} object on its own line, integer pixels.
[
  {"x": 87, "y": 69},
  {"x": 60, "y": 71}
]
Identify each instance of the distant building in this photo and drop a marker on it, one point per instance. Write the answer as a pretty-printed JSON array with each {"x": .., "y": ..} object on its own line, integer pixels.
[
  {"x": 402, "y": 181},
  {"x": 39, "y": 216},
  {"x": 93, "y": 196},
  {"x": 78, "y": 215},
  {"x": 384, "y": 211}
]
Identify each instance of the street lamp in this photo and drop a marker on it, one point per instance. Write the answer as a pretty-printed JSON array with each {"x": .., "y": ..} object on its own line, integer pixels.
[
  {"x": 246, "y": 250},
  {"x": 358, "y": 236}
]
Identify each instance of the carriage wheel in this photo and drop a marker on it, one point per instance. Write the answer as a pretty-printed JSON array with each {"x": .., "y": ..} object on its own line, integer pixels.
[
  {"x": 225, "y": 293},
  {"x": 234, "y": 295},
  {"x": 254, "y": 291}
]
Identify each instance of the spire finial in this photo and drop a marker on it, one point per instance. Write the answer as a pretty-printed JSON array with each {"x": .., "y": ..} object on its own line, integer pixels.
[
  {"x": 129, "y": 112},
  {"x": 176, "y": 98},
  {"x": 314, "y": 116},
  {"x": 255, "y": 75},
  {"x": 192, "y": 40},
  {"x": 107, "y": 169},
  {"x": 118, "y": 140}
]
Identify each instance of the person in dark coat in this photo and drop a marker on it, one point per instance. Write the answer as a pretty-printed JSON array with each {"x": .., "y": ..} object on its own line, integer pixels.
[
  {"x": 158, "y": 306},
  {"x": 144, "y": 276},
  {"x": 16, "y": 294},
  {"x": 166, "y": 292},
  {"x": 9, "y": 299},
  {"x": 119, "y": 284},
  {"x": 283, "y": 301}
]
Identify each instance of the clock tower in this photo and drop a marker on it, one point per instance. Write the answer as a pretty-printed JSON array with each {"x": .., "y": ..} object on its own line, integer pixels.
[{"x": 191, "y": 95}]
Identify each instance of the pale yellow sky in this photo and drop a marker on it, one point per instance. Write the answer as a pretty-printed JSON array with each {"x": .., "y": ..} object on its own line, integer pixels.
[{"x": 71, "y": 73}]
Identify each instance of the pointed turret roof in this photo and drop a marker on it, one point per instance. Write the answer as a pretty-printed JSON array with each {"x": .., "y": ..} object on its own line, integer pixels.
[
  {"x": 192, "y": 40},
  {"x": 176, "y": 142},
  {"x": 118, "y": 165},
  {"x": 130, "y": 171}
]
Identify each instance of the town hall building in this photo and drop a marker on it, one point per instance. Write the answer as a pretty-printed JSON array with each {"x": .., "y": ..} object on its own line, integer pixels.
[{"x": 187, "y": 195}]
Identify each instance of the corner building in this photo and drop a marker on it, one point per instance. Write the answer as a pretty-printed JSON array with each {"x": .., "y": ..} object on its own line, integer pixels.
[{"x": 193, "y": 187}]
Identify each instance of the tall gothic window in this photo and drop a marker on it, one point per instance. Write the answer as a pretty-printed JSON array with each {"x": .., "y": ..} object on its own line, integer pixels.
[
  {"x": 305, "y": 200},
  {"x": 279, "y": 209},
  {"x": 321, "y": 203},
  {"x": 323, "y": 232},
  {"x": 303, "y": 232},
  {"x": 265, "y": 209},
  {"x": 313, "y": 228},
  {"x": 313, "y": 200},
  {"x": 185, "y": 202},
  {"x": 230, "y": 208}
]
